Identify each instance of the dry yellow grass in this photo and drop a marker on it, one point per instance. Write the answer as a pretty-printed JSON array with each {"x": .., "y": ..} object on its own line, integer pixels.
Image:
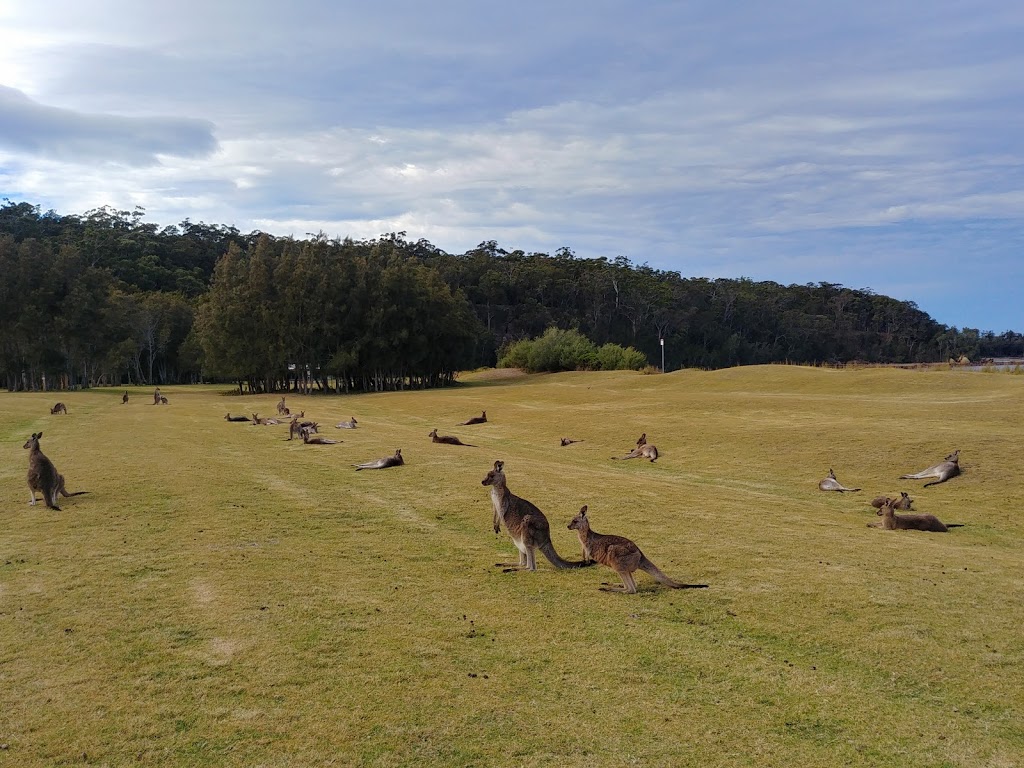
[{"x": 223, "y": 597}]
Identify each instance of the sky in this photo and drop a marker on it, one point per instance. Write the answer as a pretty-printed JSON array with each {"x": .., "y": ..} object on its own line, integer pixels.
[{"x": 878, "y": 145}]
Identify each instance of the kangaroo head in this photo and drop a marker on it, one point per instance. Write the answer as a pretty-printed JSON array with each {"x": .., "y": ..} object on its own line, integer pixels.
[
  {"x": 433, "y": 433},
  {"x": 493, "y": 475},
  {"x": 353, "y": 419},
  {"x": 831, "y": 474},
  {"x": 954, "y": 456},
  {"x": 580, "y": 520},
  {"x": 33, "y": 442}
]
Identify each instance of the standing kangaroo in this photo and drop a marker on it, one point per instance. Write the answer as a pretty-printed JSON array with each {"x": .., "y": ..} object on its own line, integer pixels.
[
  {"x": 893, "y": 522},
  {"x": 481, "y": 419},
  {"x": 383, "y": 463},
  {"x": 831, "y": 484},
  {"x": 447, "y": 439},
  {"x": 59, "y": 408},
  {"x": 124, "y": 397},
  {"x": 903, "y": 503},
  {"x": 346, "y": 424},
  {"x": 42, "y": 475},
  {"x": 282, "y": 409},
  {"x": 944, "y": 470},
  {"x": 645, "y": 451},
  {"x": 621, "y": 555},
  {"x": 157, "y": 396},
  {"x": 526, "y": 524}
]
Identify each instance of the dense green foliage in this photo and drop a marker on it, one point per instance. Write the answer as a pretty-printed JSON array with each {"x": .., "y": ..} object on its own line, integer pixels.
[
  {"x": 107, "y": 298},
  {"x": 559, "y": 350}
]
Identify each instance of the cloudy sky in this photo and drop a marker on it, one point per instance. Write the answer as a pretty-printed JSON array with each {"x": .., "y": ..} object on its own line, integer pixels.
[{"x": 874, "y": 144}]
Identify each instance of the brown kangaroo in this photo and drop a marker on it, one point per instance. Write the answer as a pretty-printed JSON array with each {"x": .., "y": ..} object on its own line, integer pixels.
[
  {"x": 163, "y": 400},
  {"x": 265, "y": 422},
  {"x": 893, "y": 522},
  {"x": 308, "y": 439},
  {"x": 59, "y": 408},
  {"x": 621, "y": 555},
  {"x": 526, "y": 524},
  {"x": 124, "y": 397},
  {"x": 346, "y": 424},
  {"x": 903, "y": 503},
  {"x": 944, "y": 470},
  {"x": 282, "y": 409},
  {"x": 229, "y": 417},
  {"x": 447, "y": 439},
  {"x": 42, "y": 475},
  {"x": 383, "y": 463},
  {"x": 644, "y": 451},
  {"x": 831, "y": 484},
  {"x": 481, "y": 419},
  {"x": 569, "y": 441},
  {"x": 157, "y": 397},
  {"x": 642, "y": 440}
]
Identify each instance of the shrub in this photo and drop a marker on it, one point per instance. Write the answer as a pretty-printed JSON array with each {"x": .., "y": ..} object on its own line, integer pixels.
[{"x": 559, "y": 350}]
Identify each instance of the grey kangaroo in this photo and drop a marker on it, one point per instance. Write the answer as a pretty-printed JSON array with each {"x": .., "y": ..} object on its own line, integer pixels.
[
  {"x": 944, "y": 470},
  {"x": 351, "y": 424},
  {"x": 308, "y": 439},
  {"x": 124, "y": 397},
  {"x": 481, "y": 419},
  {"x": 621, "y": 555},
  {"x": 59, "y": 408},
  {"x": 383, "y": 463},
  {"x": 229, "y": 417},
  {"x": 644, "y": 451},
  {"x": 569, "y": 441},
  {"x": 893, "y": 522},
  {"x": 447, "y": 439},
  {"x": 904, "y": 502},
  {"x": 831, "y": 484},
  {"x": 526, "y": 524},
  {"x": 42, "y": 475}
]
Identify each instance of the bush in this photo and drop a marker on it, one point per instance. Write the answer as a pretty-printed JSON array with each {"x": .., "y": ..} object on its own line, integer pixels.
[{"x": 559, "y": 350}]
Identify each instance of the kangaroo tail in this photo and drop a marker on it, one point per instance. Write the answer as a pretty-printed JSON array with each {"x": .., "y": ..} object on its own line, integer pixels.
[
  {"x": 549, "y": 552},
  {"x": 76, "y": 493},
  {"x": 954, "y": 525},
  {"x": 649, "y": 567}
]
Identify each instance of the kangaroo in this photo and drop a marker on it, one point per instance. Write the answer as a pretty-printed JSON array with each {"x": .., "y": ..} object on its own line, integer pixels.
[
  {"x": 257, "y": 420},
  {"x": 645, "y": 451},
  {"x": 481, "y": 419},
  {"x": 831, "y": 484},
  {"x": 903, "y": 503},
  {"x": 42, "y": 475},
  {"x": 229, "y": 417},
  {"x": 447, "y": 439},
  {"x": 569, "y": 441},
  {"x": 163, "y": 400},
  {"x": 346, "y": 424},
  {"x": 944, "y": 470},
  {"x": 526, "y": 524},
  {"x": 59, "y": 408},
  {"x": 124, "y": 397},
  {"x": 157, "y": 396},
  {"x": 308, "y": 439},
  {"x": 281, "y": 408},
  {"x": 384, "y": 463},
  {"x": 621, "y": 555},
  {"x": 893, "y": 522}
]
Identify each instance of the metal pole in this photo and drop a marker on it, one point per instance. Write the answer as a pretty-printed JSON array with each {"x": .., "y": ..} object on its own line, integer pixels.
[{"x": 662, "y": 354}]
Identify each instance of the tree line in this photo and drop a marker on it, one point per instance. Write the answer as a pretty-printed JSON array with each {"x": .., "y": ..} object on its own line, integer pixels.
[{"x": 105, "y": 298}]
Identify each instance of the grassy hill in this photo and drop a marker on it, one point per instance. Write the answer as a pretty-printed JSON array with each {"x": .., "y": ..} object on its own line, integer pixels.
[{"x": 224, "y": 597}]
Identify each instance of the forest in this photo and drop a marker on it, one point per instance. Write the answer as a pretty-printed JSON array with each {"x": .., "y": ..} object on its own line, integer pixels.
[{"x": 105, "y": 298}]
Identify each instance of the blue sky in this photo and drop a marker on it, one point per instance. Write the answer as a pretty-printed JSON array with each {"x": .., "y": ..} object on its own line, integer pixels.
[{"x": 874, "y": 144}]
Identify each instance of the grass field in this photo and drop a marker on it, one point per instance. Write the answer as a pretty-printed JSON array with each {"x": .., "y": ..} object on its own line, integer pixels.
[{"x": 223, "y": 597}]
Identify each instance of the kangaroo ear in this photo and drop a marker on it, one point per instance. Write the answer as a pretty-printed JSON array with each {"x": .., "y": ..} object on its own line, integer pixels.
[
  {"x": 498, "y": 465},
  {"x": 39, "y": 435},
  {"x": 583, "y": 510}
]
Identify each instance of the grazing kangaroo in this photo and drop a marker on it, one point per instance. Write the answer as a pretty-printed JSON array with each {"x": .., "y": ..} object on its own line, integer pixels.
[
  {"x": 621, "y": 555},
  {"x": 447, "y": 439},
  {"x": 893, "y": 522},
  {"x": 229, "y": 417},
  {"x": 308, "y": 439},
  {"x": 944, "y": 470},
  {"x": 526, "y": 524},
  {"x": 282, "y": 409},
  {"x": 481, "y": 419},
  {"x": 569, "y": 441},
  {"x": 645, "y": 451},
  {"x": 346, "y": 424},
  {"x": 42, "y": 475},
  {"x": 831, "y": 484},
  {"x": 903, "y": 503},
  {"x": 59, "y": 408},
  {"x": 384, "y": 463},
  {"x": 124, "y": 397}
]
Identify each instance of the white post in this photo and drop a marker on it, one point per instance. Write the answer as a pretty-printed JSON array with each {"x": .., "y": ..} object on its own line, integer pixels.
[{"x": 662, "y": 354}]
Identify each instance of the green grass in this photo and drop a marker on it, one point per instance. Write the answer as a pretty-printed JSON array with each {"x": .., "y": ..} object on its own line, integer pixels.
[{"x": 223, "y": 597}]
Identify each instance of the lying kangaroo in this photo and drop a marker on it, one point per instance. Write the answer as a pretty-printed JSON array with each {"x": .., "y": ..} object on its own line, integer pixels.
[
  {"x": 944, "y": 470},
  {"x": 59, "y": 408},
  {"x": 308, "y": 439},
  {"x": 229, "y": 417},
  {"x": 481, "y": 419},
  {"x": 903, "y": 503},
  {"x": 384, "y": 463},
  {"x": 346, "y": 424},
  {"x": 893, "y": 522},
  {"x": 447, "y": 439},
  {"x": 569, "y": 441},
  {"x": 831, "y": 484},
  {"x": 42, "y": 475},
  {"x": 263, "y": 421},
  {"x": 621, "y": 555},
  {"x": 526, "y": 524},
  {"x": 124, "y": 398},
  {"x": 644, "y": 451}
]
